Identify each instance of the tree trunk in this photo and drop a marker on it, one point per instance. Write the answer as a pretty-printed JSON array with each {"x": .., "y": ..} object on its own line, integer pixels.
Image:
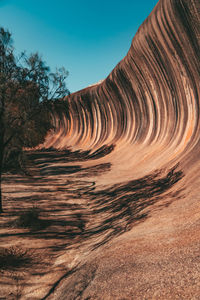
[
  {"x": 1, "y": 206},
  {"x": 1, "y": 167},
  {"x": 2, "y": 134},
  {"x": 1, "y": 170}
]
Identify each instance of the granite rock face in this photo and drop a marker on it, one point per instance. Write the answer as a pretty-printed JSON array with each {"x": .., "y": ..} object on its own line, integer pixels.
[
  {"x": 150, "y": 100},
  {"x": 143, "y": 121}
]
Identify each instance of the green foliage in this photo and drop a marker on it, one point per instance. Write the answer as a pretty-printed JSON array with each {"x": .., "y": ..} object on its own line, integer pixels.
[{"x": 27, "y": 90}]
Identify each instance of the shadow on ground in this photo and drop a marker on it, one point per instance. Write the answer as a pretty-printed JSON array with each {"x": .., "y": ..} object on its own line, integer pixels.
[
  {"x": 72, "y": 211},
  {"x": 58, "y": 207}
]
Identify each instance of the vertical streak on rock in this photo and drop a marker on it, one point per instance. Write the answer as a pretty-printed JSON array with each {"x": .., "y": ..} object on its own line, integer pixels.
[{"x": 151, "y": 98}]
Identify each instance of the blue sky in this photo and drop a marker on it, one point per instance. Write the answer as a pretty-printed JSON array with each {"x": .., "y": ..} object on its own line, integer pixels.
[{"x": 87, "y": 37}]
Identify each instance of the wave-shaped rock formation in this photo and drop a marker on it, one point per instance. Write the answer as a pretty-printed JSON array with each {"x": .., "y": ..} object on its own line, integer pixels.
[
  {"x": 136, "y": 138},
  {"x": 148, "y": 107}
]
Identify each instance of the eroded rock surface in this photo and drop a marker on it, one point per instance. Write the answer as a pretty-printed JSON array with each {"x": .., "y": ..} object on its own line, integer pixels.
[{"x": 118, "y": 181}]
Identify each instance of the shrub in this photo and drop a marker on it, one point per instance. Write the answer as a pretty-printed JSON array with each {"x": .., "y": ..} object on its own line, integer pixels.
[
  {"x": 13, "y": 258},
  {"x": 30, "y": 219}
]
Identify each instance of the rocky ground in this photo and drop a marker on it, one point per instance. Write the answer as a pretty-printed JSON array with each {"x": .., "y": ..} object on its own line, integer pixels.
[{"x": 134, "y": 240}]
